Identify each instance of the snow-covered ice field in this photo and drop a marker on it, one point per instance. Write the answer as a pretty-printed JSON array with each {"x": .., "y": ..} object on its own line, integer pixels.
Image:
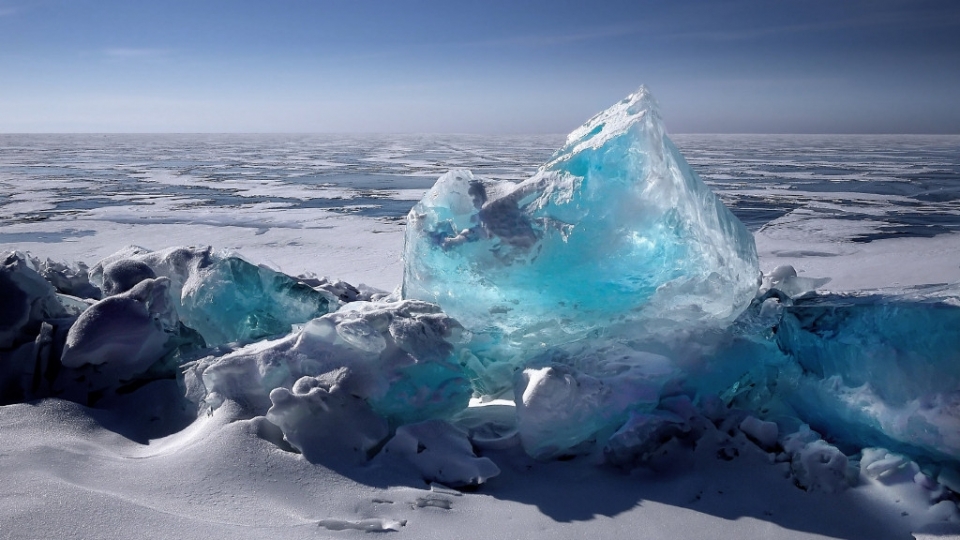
[
  {"x": 334, "y": 205},
  {"x": 867, "y": 212}
]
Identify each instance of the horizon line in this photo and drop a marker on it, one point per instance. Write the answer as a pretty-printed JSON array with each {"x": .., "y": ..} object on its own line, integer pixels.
[{"x": 489, "y": 134}]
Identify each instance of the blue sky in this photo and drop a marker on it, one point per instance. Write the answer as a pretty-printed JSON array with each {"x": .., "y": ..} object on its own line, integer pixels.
[{"x": 751, "y": 66}]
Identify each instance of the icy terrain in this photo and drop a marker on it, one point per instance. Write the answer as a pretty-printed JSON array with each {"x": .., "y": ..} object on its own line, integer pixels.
[{"x": 188, "y": 392}]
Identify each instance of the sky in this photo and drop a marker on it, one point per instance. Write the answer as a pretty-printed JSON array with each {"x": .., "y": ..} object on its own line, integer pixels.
[{"x": 742, "y": 66}]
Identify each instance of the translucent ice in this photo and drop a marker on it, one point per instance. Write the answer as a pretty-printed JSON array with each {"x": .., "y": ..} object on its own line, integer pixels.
[
  {"x": 223, "y": 297},
  {"x": 876, "y": 371},
  {"x": 560, "y": 407},
  {"x": 615, "y": 229},
  {"x": 231, "y": 299}
]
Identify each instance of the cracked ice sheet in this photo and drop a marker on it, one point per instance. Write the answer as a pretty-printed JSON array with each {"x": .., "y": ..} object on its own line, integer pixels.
[
  {"x": 250, "y": 187},
  {"x": 817, "y": 247}
]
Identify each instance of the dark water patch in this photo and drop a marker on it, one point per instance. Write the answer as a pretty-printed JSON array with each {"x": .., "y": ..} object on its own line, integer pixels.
[
  {"x": 904, "y": 226},
  {"x": 904, "y": 231},
  {"x": 755, "y": 212},
  {"x": 876, "y": 187},
  {"x": 362, "y": 206},
  {"x": 44, "y": 237},
  {"x": 367, "y": 181},
  {"x": 93, "y": 203},
  {"x": 800, "y": 253}
]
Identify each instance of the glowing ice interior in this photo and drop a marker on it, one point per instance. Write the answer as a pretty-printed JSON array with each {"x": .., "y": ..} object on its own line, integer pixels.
[
  {"x": 615, "y": 230},
  {"x": 221, "y": 296}
]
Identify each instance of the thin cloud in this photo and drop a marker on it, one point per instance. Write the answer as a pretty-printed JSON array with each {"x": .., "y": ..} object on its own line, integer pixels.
[
  {"x": 917, "y": 19},
  {"x": 131, "y": 52},
  {"x": 560, "y": 38},
  {"x": 5, "y": 11}
]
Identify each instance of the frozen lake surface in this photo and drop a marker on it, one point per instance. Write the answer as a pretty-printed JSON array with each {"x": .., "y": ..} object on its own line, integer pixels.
[{"x": 308, "y": 203}]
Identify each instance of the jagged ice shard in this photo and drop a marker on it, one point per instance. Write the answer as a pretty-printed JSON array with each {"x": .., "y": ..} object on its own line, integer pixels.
[{"x": 614, "y": 233}]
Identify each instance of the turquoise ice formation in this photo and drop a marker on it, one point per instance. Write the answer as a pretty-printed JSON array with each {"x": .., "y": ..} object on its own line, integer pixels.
[
  {"x": 221, "y": 296},
  {"x": 615, "y": 232},
  {"x": 878, "y": 370}
]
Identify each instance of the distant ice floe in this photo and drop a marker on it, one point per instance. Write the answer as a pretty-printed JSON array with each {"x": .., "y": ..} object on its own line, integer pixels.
[{"x": 609, "y": 306}]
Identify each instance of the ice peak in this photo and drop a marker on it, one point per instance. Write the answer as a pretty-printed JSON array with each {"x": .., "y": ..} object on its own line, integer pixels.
[{"x": 638, "y": 111}]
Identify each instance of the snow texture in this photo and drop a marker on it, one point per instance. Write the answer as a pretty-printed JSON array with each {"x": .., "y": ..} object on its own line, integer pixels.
[
  {"x": 325, "y": 422},
  {"x": 397, "y": 356},
  {"x": 440, "y": 452}
]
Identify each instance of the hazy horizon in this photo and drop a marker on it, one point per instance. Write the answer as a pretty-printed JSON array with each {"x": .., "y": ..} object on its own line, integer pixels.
[{"x": 736, "y": 67}]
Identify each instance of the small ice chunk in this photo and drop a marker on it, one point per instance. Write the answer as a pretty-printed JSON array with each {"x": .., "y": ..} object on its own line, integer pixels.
[
  {"x": 781, "y": 273},
  {"x": 882, "y": 464},
  {"x": 328, "y": 424},
  {"x": 67, "y": 279},
  {"x": 770, "y": 310},
  {"x": 816, "y": 465},
  {"x": 942, "y": 511},
  {"x": 559, "y": 407},
  {"x": 949, "y": 478},
  {"x": 785, "y": 279},
  {"x": 73, "y": 305},
  {"x": 440, "y": 452},
  {"x": 764, "y": 433},
  {"x": 343, "y": 291},
  {"x": 490, "y": 426},
  {"x": 642, "y": 434},
  {"x": 127, "y": 332},
  {"x": 123, "y": 275}
]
